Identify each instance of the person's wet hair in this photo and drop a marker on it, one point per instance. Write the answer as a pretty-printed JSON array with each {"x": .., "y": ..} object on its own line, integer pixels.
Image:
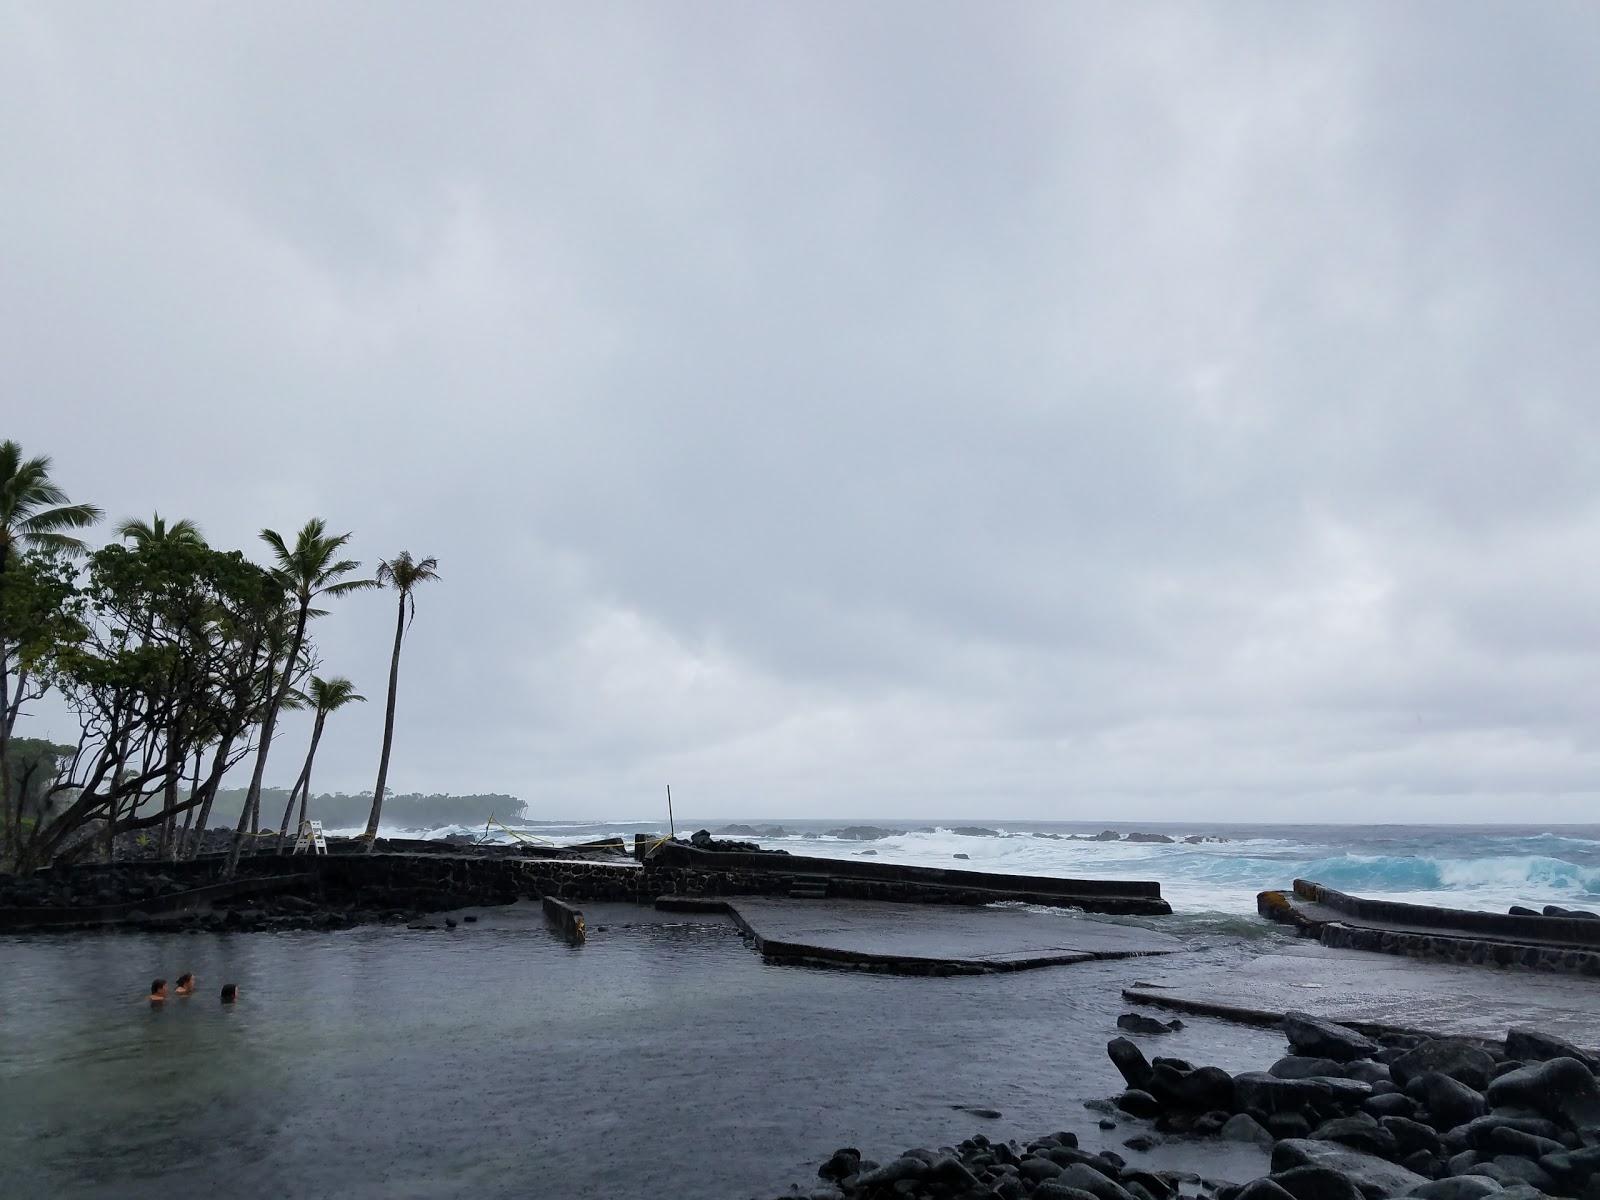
[
  {"x": 230, "y": 992},
  {"x": 185, "y": 980},
  {"x": 157, "y": 985}
]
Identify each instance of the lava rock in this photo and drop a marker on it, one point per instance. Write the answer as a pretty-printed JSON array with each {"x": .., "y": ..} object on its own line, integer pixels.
[
  {"x": 1323, "y": 1039},
  {"x": 1317, "y": 1183},
  {"x": 1199, "y": 1090},
  {"x": 1449, "y": 1100},
  {"x": 1464, "y": 1187},
  {"x": 1359, "y": 1133},
  {"x": 1411, "y": 1136},
  {"x": 1259, "y": 1092},
  {"x": 1562, "y": 1088},
  {"x": 1371, "y": 1175},
  {"x": 845, "y": 1161},
  {"x": 1086, "y": 1179},
  {"x": 1138, "y": 1103},
  {"x": 1298, "y": 1066},
  {"x": 1263, "y": 1189},
  {"x": 1139, "y": 1023},
  {"x": 1459, "y": 1059},
  {"x": 1530, "y": 1045},
  {"x": 1390, "y": 1104},
  {"x": 1242, "y": 1127},
  {"x": 1131, "y": 1062}
]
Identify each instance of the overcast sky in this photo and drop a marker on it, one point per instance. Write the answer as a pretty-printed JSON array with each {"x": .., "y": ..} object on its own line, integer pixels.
[{"x": 1093, "y": 411}]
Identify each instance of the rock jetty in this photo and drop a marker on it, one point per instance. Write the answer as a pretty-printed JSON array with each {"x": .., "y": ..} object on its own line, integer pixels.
[{"x": 1342, "y": 1116}]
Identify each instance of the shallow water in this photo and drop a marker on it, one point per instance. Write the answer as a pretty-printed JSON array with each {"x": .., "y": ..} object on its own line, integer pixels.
[{"x": 661, "y": 1059}]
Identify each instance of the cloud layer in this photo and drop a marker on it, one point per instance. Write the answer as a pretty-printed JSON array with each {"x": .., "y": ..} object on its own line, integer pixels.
[{"x": 1054, "y": 411}]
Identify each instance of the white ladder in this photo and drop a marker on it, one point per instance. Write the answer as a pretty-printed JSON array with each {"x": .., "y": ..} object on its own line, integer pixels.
[{"x": 310, "y": 839}]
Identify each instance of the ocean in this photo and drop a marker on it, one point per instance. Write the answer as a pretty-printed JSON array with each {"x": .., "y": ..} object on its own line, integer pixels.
[{"x": 1479, "y": 867}]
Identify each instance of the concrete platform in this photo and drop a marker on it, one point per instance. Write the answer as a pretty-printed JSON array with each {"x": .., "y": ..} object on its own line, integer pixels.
[
  {"x": 1378, "y": 992},
  {"x": 919, "y": 939}
]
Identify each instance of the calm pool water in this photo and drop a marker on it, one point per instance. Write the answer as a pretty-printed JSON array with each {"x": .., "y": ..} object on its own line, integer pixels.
[{"x": 661, "y": 1059}]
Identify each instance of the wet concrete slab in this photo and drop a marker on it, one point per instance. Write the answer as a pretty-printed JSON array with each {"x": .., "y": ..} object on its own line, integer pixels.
[
  {"x": 1379, "y": 992},
  {"x": 931, "y": 939}
]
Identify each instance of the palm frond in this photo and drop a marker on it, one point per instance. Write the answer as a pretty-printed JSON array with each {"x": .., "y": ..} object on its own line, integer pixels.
[{"x": 52, "y": 520}]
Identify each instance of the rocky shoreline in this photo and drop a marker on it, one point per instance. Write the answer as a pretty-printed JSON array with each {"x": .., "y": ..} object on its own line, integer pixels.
[{"x": 1343, "y": 1116}]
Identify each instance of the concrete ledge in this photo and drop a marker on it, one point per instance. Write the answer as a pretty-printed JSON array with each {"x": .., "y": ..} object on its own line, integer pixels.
[
  {"x": 1129, "y": 896},
  {"x": 908, "y": 939},
  {"x": 1570, "y": 931},
  {"x": 565, "y": 920},
  {"x": 174, "y": 904}
]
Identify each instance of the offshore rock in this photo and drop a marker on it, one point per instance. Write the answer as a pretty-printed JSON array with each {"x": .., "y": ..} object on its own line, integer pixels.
[
  {"x": 1130, "y": 1061},
  {"x": 1258, "y": 1091}
]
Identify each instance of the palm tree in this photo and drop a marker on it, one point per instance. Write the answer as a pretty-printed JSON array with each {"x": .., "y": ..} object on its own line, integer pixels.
[
  {"x": 34, "y": 512},
  {"x": 403, "y": 574},
  {"x": 158, "y": 533},
  {"x": 307, "y": 570},
  {"x": 327, "y": 696}
]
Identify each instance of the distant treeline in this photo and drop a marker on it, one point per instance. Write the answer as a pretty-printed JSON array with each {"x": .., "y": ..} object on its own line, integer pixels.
[{"x": 344, "y": 810}]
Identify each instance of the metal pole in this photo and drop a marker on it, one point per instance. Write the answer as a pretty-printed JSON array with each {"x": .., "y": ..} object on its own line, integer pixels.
[{"x": 671, "y": 827}]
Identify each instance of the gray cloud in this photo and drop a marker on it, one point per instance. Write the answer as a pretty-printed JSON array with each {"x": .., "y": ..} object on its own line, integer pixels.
[{"x": 1056, "y": 410}]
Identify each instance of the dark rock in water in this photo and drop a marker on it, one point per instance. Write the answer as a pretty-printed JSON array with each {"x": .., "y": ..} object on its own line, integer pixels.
[
  {"x": 1130, "y": 1061},
  {"x": 1421, "y": 1163},
  {"x": 1372, "y": 1175},
  {"x": 862, "y": 833},
  {"x": 1459, "y": 1059},
  {"x": 1288, "y": 1125},
  {"x": 1450, "y": 1101},
  {"x": 1159, "y": 838},
  {"x": 1260, "y": 1092},
  {"x": 449, "y": 923},
  {"x": 1139, "y": 1023},
  {"x": 1296, "y": 1066},
  {"x": 1518, "y": 910},
  {"x": 893, "y": 1172},
  {"x": 1323, "y": 1039},
  {"x": 1107, "y": 1123},
  {"x": 1138, "y": 1103},
  {"x": 845, "y": 1161},
  {"x": 974, "y": 831},
  {"x": 1181, "y": 1065},
  {"x": 1317, "y": 1183},
  {"x": 1037, "y": 1170},
  {"x": 1410, "y": 1136},
  {"x": 1561, "y": 1088},
  {"x": 1140, "y": 1142},
  {"x": 470, "y": 919},
  {"x": 1511, "y": 1169},
  {"x": 1530, "y": 1045},
  {"x": 1086, "y": 1179},
  {"x": 866, "y": 851},
  {"x": 1368, "y": 1071},
  {"x": 1262, "y": 1189},
  {"x": 1359, "y": 1134},
  {"x": 988, "y": 1114},
  {"x": 1105, "y": 835},
  {"x": 1242, "y": 1127},
  {"x": 1464, "y": 1187},
  {"x": 1199, "y": 1090},
  {"x": 1210, "y": 1124},
  {"x": 961, "y": 856},
  {"x": 1390, "y": 1104},
  {"x": 1555, "y": 910}
]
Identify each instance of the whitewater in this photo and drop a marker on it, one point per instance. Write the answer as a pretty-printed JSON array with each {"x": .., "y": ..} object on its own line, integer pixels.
[{"x": 1478, "y": 867}]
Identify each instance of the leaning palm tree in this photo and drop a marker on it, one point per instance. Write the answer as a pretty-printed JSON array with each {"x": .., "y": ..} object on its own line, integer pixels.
[
  {"x": 34, "y": 513},
  {"x": 308, "y": 570},
  {"x": 156, "y": 532},
  {"x": 327, "y": 696},
  {"x": 403, "y": 574}
]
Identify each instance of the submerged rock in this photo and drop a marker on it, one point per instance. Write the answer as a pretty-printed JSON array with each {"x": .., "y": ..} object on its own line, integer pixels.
[{"x": 1139, "y": 1023}]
